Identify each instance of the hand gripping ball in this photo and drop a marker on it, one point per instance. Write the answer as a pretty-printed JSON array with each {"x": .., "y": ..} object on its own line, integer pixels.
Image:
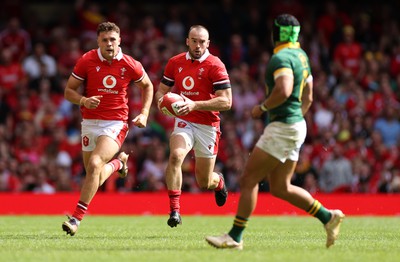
[{"x": 170, "y": 103}]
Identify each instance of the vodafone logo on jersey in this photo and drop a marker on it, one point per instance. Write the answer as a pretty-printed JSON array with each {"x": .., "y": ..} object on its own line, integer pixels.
[
  {"x": 109, "y": 81},
  {"x": 188, "y": 83}
]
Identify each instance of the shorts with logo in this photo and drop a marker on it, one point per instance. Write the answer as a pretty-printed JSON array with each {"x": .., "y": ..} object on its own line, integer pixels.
[
  {"x": 203, "y": 139},
  {"x": 93, "y": 128},
  {"x": 283, "y": 141}
]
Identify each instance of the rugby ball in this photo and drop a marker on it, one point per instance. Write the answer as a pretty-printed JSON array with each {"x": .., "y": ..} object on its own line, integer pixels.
[{"x": 170, "y": 103}]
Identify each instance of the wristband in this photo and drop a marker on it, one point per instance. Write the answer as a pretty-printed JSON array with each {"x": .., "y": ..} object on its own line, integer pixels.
[{"x": 263, "y": 107}]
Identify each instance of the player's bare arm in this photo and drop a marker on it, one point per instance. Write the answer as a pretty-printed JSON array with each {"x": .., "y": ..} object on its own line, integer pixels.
[
  {"x": 307, "y": 97},
  {"x": 147, "y": 98},
  {"x": 222, "y": 102},
  {"x": 162, "y": 90},
  {"x": 71, "y": 94}
]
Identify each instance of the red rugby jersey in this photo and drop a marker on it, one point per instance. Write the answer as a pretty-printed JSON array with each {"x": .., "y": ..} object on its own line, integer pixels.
[
  {"x": 198, "y": 80},
  {"x": 109, "y": 80}
]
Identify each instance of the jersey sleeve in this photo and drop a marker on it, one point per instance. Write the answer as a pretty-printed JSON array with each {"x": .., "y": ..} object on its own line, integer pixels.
[
  {"x": 281, "y": 66},
  {"x": 80, "y": 69},
  {"x": 137, "y": 70},
  {"x": 168, "y": 78},
  {"x": 220, "y": 76}
]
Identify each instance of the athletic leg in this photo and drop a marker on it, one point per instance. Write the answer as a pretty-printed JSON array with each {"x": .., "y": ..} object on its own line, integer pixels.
[
  {"x": 97, "y": 171},
  {"x": 208, "y": 179},
  {"x": 179, "y": 148}
]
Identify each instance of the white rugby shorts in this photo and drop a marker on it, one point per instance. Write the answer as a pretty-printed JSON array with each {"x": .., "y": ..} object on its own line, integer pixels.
[
  {"x": 283, "y": 141},
  {"x": 203, "y": 139},
  {"x": 92, "y": 129}
]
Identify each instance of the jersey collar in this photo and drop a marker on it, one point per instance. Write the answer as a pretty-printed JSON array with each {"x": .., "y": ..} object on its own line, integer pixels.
[
  {"x": 201, "y": 59},
  {"x": 118, "y": 56},
  {"x": 286, "y": 45}
]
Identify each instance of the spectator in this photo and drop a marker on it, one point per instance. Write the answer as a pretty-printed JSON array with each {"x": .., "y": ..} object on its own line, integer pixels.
[
  {"x": 16, "y": 38},
  {"x": 41, "y": 184},
  {"x": 394, "y": 185},
  {"x": 69, "y": 57},
  {"x": 388, "y": 125},
  {"x": 12, "y": 75},
  {"x": 336, "y": 173},
  {"x": 329, "y": 24},
  {"x": 348, "y": 54},
  {"x": 174, "y": 27},
  {"x": 395, "y": 60},
  {"x": 89, "y": 16},
  {"x": 39, "y": 65},
  {"x": 9, "y": 182},
  {"x": 236, "y": 52},
  {"x": 246, "y": 94},
  {"x": 151, "y": 177}
]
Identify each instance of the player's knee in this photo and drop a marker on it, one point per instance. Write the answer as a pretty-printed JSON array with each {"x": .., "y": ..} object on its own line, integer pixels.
[
  {"x": 176, "y": 157},
  {"x": 93, "y": 164}
]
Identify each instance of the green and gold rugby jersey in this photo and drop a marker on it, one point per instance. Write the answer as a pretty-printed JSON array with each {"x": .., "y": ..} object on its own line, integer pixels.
[{"x": 287, "y": 59}]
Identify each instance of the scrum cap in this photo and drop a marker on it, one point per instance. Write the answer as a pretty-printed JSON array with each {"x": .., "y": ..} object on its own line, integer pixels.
[{"x": 286, "y": 28}]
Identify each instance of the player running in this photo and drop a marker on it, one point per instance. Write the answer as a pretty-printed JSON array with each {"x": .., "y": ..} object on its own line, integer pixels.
[
  {"x": 105, "y": 74},
  {"x": 202, "y": 80},
  {"x": 289, "y": 96}
]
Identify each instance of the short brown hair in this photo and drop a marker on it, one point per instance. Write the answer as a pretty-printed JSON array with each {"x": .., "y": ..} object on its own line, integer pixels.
[
  {"x": 106, "y": 27},
  {"x": 197, "y": 27}
]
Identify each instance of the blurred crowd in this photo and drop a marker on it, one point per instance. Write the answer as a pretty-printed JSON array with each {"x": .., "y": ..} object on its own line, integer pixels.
[{"x": 353, "y": 140}]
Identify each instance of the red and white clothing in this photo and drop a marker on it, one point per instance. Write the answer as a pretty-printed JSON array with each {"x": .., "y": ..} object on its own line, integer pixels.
[
  {"x": 19, "y": 43},
  {"x": 349, "y": 55},
  {"x": 204, "y": 139},
  {"x": 92, "y": 129},
  {"x": 198, "y": 80},
  {"x": 10, "y": 76},
  {"x": 111, "y": 80}
]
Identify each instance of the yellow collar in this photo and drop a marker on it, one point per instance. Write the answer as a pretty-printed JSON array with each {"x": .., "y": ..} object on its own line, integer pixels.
[{"x": 286, "y": 45}]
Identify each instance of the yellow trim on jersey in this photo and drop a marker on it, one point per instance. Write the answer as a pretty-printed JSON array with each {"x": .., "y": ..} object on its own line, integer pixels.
[
  {"x": 286, "y": 45},
  {"x": 283, "y": 71}
]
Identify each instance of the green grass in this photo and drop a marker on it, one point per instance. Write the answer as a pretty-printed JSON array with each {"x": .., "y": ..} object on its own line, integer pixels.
[{"x": 148, "y": 238}]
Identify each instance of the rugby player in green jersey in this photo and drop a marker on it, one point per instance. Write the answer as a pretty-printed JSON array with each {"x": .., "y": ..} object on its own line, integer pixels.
[{"x": 289, "y": 96}]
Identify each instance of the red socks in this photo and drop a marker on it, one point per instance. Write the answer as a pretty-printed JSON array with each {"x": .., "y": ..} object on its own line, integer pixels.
[
  {"x": 116, "y": 164},
  {"x": 174, "y": 196},
  {"x": 80, "y": 210}
]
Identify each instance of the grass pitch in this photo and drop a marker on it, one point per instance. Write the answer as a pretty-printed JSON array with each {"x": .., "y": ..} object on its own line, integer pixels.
[{"x": 148, "y": 238}]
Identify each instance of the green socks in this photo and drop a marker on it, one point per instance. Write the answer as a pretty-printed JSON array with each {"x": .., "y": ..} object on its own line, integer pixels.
[
  {"x": 319, "y": 211},
  {"x": 316, "y": 209},
  {"x": 239, "y": 224}
]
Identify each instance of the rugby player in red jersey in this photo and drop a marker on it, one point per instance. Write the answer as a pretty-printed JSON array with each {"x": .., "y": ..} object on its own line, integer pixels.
[
  {"x": 202, "y": 80},
  {"x": 105, "y": 74}
]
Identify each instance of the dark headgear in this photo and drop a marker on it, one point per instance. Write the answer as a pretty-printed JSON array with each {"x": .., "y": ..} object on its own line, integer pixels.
[{"x": 286, "y": 28}]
